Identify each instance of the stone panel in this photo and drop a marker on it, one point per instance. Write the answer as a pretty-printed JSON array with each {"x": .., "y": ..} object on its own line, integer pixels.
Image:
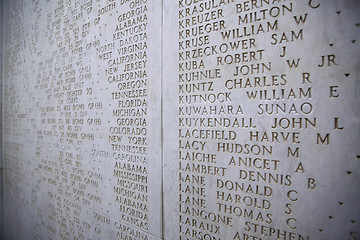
[
  {"x": 263, "y": 126},
  {"x": 188, "y": 119},
  {"x": 82, "y": 130}
]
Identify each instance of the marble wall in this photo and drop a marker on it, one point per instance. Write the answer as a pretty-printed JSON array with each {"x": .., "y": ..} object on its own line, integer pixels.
[{"x": 186, "y": 119}]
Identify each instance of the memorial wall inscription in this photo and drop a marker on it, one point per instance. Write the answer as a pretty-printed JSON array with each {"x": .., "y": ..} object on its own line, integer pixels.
[
  {"x": 264, "y": 101},
  {"x": 82, "y": 93},
  {"x": 187, "y": 119}
]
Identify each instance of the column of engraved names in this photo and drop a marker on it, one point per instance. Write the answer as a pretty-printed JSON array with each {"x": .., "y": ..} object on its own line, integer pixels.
[
  {"x": 127, "y": 73},
  {"x": 65, "y": 121},
  {"x": 201, "y": 104},
  {"x": 277, "y": 99}
]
